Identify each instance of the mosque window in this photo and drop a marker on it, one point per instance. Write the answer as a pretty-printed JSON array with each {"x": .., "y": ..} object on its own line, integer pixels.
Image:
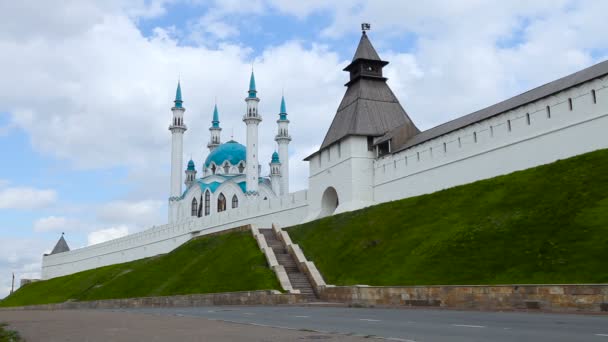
[
  {"x": 194, "y": 210},
  {"x": 241, "y": 167},
  {"x": 594, "y": 96},
  {"x": 221, "y": 203},
  {"x": 548, "y": 112},
  {"x": 213, "y": 168},
  {"x": 207, "y": 203},
  {"x": 226, "y": 168},
  {"x": 570, "y": 105},
  {"x": 528, "y": 118},
  {"x": 235, "y": 202}
]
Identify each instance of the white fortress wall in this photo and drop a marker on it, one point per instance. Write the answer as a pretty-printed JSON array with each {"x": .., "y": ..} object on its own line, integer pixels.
[
  {"x": 489, "y": 148},
  {"x": 287, "y": 210}
]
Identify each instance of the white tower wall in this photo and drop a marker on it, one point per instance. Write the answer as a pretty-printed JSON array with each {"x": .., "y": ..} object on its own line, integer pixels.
[{"x": 283, "y": 140}]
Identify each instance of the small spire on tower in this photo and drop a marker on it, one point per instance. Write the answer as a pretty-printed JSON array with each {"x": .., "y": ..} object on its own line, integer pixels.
[
  {"x": 216, "y": 117},
  {"x": 252, "y": 91},
  {"x": 283, "y": 112},
  {"x": 178, "y": 96}
]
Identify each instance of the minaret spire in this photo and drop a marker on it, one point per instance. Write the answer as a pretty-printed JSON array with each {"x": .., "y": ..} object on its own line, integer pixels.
[
  {"x": 177, "y": 129},
  {"x": 282, "y": 138},
  {"x": 215, "y": 130}
]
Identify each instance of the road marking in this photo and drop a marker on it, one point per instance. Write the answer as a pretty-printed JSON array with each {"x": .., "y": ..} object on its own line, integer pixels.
[
  {"x": 247, "y": 313},
  {"x": 468, "y": 326},
  {"x": 301, "y": 316},
  {"x": 398, "y": 339},
  {"x": 605, "y": 335},
  {"x": 369, "y": 320}
]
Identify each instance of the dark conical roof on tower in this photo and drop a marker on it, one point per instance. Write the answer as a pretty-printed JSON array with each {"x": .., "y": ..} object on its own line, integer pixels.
[
  {"x": 365, "y": 50},
  {"x": 61, "y": 246},
  {"x": 369, "y": 107}
]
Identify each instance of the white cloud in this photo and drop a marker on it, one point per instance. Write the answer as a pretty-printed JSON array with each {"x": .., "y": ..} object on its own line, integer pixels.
[
  {"x": 26, "y": 198},
  {"x": 139, "y": 213},
  {"x": 107, "y": 234},
  {"x": 55, "y": 224},
  {"x": 4, "y": 182}
]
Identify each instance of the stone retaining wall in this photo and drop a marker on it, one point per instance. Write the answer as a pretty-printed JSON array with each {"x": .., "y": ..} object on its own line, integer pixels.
[
  {"x": 269, "y": 297},
  {"x": 555, "y": 298}
]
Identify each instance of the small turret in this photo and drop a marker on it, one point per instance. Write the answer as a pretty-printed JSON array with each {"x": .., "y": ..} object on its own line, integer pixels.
[
  {"x": 275, "y": 173},
  {"x": 61, "y": 246},
  {"x": 190, "y": 174},
  {"x": 215, "y": 130}
]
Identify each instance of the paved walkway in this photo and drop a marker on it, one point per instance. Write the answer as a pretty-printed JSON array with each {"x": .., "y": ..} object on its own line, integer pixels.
[{"x": 90, "y": 326}]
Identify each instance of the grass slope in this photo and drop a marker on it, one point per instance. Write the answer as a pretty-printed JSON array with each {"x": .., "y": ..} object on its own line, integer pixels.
[
  {"x": 547, "y": 224},
  {"x": 219, "y": 263}
]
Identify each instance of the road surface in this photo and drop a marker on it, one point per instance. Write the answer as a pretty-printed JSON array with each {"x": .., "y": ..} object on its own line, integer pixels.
[{"x": 411, "y": 324}]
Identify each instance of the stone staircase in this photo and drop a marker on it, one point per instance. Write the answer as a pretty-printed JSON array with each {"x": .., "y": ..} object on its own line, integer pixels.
[{"x": 299, "y": 280}]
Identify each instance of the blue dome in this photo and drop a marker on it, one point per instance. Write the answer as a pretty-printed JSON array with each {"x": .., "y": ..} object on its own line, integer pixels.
[
  {"x": 275, "y": 158},
  {"x": 191, "y": 165},
  {"x": 232, "y": 151}
]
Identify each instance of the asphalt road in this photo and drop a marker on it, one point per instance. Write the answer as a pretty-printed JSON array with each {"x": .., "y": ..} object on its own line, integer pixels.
[
  {"x": 410, "y": 324},
  {"x": 103, "y": 326}
]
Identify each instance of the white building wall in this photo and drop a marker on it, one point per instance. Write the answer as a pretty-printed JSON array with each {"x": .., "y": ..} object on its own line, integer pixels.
[
  {"x": 483, "y": 150},
  {"x": 347, "y": 167},
  {"x": 488, "y": 148},
  {"x": 288, "y": 210}
]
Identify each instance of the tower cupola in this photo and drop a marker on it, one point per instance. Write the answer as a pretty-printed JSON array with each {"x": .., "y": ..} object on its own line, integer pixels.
[
  {"x": 275, "y": 173},
  {"x": 215, "y": 131},
  {"x": 190, "y": 174}
]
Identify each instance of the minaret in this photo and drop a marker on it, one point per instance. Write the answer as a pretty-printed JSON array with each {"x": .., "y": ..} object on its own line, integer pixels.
[
  {"x": 215, "y": 131},
  {"x": 177, "y": 129},
  {"x": 275, "y": 173},
  {"x": 252, "y": 120},
  {"x": 282, "y": 138},
  {"x": 190, "y": 174}
]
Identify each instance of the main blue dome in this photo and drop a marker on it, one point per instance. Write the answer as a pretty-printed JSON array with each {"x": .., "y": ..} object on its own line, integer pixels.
[{"x": 231, "y": 151}]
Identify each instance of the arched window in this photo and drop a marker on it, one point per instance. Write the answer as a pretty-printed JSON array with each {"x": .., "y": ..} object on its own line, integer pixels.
[
  {"x": 207, "y": 202},
  {"x": 213, "y": 168},
  {"x": 221, "y": 203},
  {"x": 241, "y": 167},
  {"x": 194, "y": 209},
  {"x": 200, "y": 207},
  {"x": 235, "y": 202},
  {"x": 226, "y": 168}
]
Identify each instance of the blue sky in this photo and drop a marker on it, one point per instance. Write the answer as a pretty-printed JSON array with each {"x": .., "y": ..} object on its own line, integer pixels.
[{"x": 87, "y": 87}]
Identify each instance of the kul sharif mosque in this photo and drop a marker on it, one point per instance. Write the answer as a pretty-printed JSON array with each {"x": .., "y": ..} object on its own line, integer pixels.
[{"x": 231, "y": 172}]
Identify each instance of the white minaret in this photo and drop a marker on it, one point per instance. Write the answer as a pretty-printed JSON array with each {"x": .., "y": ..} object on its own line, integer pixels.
[
  {"x": 282, "y": 138},
  {"x": 177, "y": 129},
  {"x": 215, "y": 131},
  {"x": 252, "y": 120},
  {"x": 275, "y": 173}
]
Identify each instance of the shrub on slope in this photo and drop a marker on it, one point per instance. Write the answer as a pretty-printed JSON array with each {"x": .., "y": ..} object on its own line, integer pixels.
[
  {"x": 547, "y": 224},
  {"x": 219, "y": 263}
]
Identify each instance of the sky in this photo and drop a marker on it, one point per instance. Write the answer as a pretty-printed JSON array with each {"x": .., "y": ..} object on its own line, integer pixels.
[{"x": 87, "y": 87}]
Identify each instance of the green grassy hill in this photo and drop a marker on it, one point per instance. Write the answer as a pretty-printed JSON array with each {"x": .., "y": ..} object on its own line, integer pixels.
[
  {"x": 548, "y": 224},
  {"x": 218, "y": 263}
]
